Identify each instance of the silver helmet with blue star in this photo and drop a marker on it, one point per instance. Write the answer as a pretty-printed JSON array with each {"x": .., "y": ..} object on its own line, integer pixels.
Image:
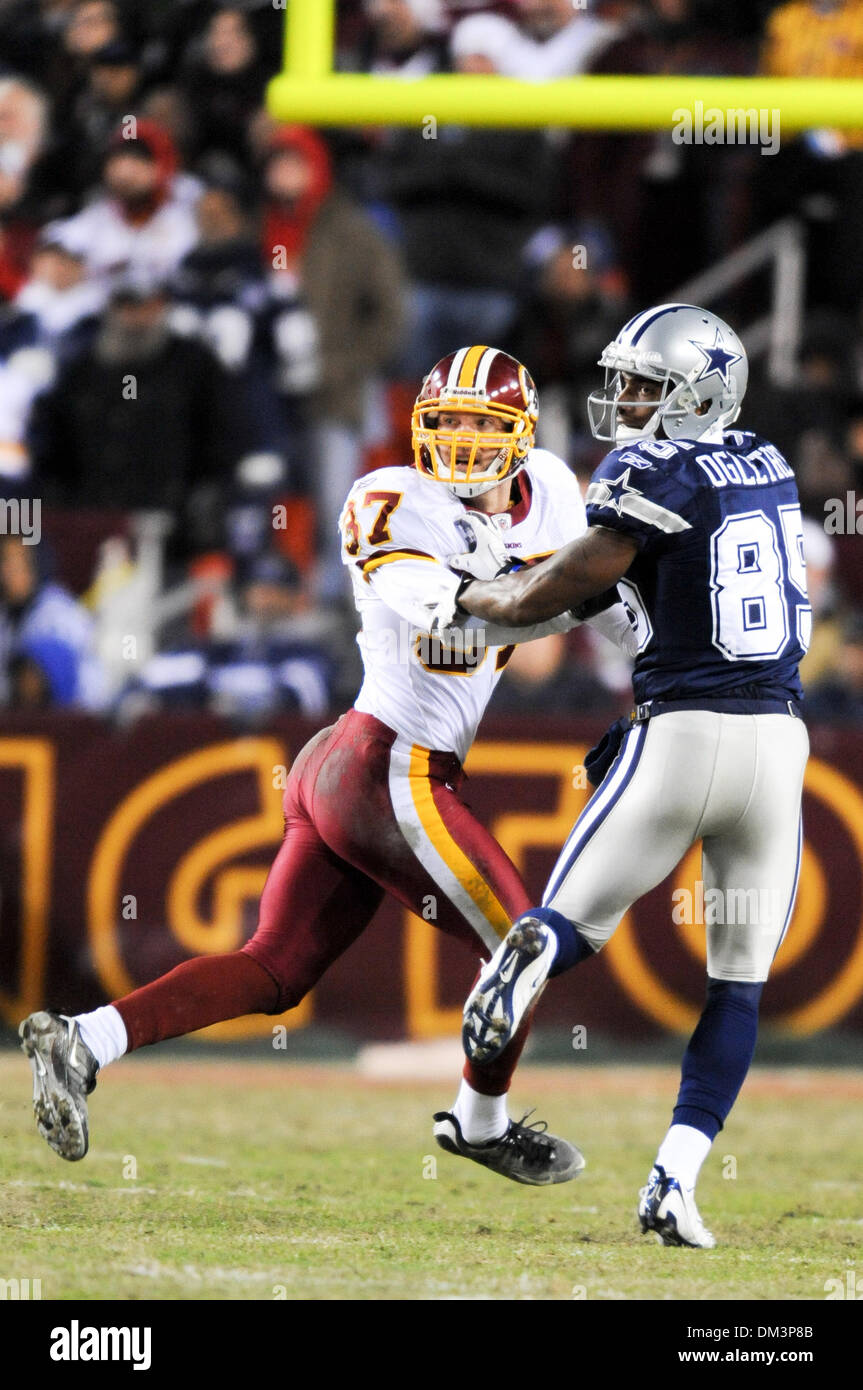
[{"x": 700, "y": 362}]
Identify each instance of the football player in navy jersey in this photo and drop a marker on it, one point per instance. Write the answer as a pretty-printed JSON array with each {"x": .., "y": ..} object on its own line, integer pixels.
[{"x": 698, "y": 526}]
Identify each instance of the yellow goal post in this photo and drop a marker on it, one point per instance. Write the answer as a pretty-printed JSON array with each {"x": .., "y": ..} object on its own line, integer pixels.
[{"x": 308, "y": 90}]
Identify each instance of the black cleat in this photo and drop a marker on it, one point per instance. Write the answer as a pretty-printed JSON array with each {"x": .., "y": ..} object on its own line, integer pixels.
[{"x": 525, "y": 1153}]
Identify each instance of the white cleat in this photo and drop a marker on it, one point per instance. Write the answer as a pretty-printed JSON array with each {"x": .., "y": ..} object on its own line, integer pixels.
[
  {"x": 64, "y": 1074},
  {"x": 506, "y": 989},
  {"x": 667, "y": 1208}
]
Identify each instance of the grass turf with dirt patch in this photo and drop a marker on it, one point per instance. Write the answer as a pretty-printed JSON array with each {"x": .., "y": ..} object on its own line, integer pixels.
[{"x": 226, "y": 1180}]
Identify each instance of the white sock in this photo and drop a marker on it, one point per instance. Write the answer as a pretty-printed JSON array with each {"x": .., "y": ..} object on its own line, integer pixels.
[
  {"x": 481, "y": 1117},
  {"x": 104, "y": 1032},
  {"x": 682, "y": 1152}
]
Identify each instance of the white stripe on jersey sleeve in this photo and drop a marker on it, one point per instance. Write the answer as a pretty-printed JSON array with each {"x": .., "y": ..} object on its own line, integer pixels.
[{"x": 639, "y": 507}]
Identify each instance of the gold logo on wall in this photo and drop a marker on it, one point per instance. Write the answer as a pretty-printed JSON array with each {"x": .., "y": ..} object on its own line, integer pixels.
[
  {"x": 207, "y": 860},
  {"x": 35, "y": 758}
]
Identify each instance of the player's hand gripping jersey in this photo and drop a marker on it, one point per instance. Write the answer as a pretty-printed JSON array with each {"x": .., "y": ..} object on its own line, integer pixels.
[
  {"x": 718, "y": 589},
  {"x": 399, "y": 530}
]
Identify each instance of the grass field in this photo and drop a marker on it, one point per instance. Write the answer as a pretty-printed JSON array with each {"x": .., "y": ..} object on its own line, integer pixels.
[{"x": 265, "y": 1180}]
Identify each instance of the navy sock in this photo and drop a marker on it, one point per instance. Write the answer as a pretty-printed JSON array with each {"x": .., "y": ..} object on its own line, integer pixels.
[
  {"x": 571, "y": 947},
  {"x": 718, "y": 1056}
]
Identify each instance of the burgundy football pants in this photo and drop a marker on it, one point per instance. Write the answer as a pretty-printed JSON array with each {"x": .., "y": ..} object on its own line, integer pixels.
[{"x": 366, "y": 813}]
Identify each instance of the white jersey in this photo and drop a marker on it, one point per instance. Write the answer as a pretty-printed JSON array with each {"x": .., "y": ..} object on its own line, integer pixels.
[
  {"x": 114, "y": 247},
  {"x": 398, "y": 531}
]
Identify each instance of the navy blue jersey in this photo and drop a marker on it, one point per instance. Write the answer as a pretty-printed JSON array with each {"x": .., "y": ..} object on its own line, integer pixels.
[{"x": 718, "y": 588}]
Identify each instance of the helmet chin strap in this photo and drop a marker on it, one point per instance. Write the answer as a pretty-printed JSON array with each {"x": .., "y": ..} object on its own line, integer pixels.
[
  {"x": 625, "y": 433},
  {"x": 468, "y": 489},
  {"x": 465, "y": 491},
  {"x": 714, "y": 434}
]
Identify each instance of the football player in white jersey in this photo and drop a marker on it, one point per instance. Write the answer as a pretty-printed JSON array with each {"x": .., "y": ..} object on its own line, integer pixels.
[{"x": 372, "y": 804}]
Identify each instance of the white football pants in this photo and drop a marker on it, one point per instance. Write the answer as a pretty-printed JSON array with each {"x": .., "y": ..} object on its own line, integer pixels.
[{"x": 732, "y": 780}]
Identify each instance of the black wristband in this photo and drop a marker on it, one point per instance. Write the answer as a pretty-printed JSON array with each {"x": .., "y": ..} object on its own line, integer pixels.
[
  {"x": 591, "y": 606},
  {"x": 466, "y": 579}
]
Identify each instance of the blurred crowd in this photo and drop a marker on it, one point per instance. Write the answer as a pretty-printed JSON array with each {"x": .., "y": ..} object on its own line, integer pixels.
[{"x": 211, "y": 323}]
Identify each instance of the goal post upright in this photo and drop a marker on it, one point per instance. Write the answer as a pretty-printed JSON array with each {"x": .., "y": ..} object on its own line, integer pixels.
[{"x": 310, "y": 35}]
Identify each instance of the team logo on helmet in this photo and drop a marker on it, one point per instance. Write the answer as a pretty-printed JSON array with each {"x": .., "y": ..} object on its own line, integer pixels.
[{"x": 716, "y": 359}]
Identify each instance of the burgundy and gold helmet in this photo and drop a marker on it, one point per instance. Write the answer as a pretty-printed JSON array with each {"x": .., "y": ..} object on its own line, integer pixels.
[{"x": 477, "y": 381}]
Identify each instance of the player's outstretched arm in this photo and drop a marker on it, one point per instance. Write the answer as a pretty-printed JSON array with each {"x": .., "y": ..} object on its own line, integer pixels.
[{"x": 579, "y": 571}]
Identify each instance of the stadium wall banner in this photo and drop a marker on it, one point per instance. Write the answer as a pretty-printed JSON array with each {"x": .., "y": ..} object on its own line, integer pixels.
[{"x": 126, "y": 851}]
